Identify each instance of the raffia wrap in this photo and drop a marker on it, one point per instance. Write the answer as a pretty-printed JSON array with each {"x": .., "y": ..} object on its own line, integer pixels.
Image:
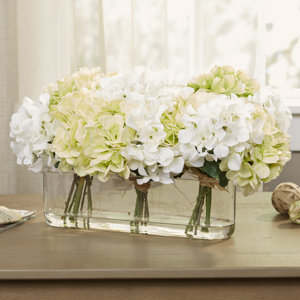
[
  {"x": 205, "y": 179},
  {"x": 140, "y": 187}
]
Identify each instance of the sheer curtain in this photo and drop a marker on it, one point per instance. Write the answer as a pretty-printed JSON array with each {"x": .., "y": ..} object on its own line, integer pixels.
[
  {"x": 41, "y": 40},
  {"x": 44, "y": 39},
  {"x": 8, "y": 91}
]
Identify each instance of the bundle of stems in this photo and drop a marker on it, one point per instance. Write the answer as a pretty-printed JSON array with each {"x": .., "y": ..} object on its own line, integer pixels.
[
  {"x": 204, "y": 195},
  {"x": 141, "y": 211},
  {"x": 79, "y": 193},
  {"x": 206, "y": 184}
]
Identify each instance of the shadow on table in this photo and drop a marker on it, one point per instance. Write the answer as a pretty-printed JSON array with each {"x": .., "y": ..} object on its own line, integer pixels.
[
  {"x": 289, "y": 225},
  {"x": 270, "y": 217},
  {"x": 283, "y": 220}
]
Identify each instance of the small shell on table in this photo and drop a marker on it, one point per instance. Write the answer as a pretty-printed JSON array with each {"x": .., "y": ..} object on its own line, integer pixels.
[
  {"x": 284, "y": 196},
  {"x": 294, "y": 212}
]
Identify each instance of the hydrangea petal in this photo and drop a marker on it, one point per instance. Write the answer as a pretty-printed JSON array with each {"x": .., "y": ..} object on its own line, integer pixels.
[
  {"x": 234, "y": 162},
  {"x": 221, "y": 150}
]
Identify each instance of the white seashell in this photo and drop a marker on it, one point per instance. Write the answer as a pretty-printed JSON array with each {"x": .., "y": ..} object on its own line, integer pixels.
[{"x": 284, "y": 196}]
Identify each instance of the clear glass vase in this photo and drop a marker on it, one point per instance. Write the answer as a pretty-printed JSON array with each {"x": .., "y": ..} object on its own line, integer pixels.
[{"x": 188, "y": 208}]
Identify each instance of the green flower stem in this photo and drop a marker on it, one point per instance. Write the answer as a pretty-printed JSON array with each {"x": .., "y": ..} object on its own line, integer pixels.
[
  {"x": 74, "y": 182},
  {"x": 141, "y": 211},
  {"x": 78, "y": 195},
  {"x": 204, "y": 193},
  {"x": 71, "y": 193},
  {"x": 208, "y": 207},
  {"x": 90, "y": 205},
  {"x": 73, "y": 200},
  {"x": 84, "y": 194},
  {"x": 195, "y": 217},
  {"x": 146, "y": 207},
  {"x": 76, "y": 199},
  {"x": 137, "y": 204}
]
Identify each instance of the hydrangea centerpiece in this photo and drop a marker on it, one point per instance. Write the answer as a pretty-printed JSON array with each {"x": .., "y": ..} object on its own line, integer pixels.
[{"x": 145, "y": 126}]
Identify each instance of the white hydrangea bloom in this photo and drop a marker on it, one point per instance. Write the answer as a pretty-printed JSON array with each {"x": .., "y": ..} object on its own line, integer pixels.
[
  {"x": 31, "y": 132},
  {"x": 217, "y": 128},
  {"x": 147, "y": 94},
  {"x": 275, "y": 106},
  {"x": 268, "y": 148},
  {"x": 150, "y": 124}
]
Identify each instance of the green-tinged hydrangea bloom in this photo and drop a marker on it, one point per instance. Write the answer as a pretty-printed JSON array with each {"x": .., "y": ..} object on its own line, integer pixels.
[
  {"x": 225, "y": 80},
  {"x": 264, "y": 160},
  {"x": 91, "y": 131},
  {"x": 262, "y": 163},
  {"x": 172, "y": 122},
  {"x": 83, "y": 79}
]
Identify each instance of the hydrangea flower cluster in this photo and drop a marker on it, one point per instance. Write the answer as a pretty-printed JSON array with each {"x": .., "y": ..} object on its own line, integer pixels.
[
  {"x": 225, "y": 80},
  {"x": 148, "y": 125},
  {"x": 31, "y": 131},
  {"x": 91, "y": 131},
  {"x": 148, "y": 97}
]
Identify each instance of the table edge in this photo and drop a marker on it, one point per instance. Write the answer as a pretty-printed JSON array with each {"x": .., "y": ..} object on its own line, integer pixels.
[{"x": 226, "y": 273}]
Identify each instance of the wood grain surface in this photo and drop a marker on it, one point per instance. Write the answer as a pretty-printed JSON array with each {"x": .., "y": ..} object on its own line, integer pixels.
[{"x": 265, "y": 245}]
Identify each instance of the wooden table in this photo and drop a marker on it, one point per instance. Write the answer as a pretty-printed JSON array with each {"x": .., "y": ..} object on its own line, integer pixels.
[{"x": 261, "y": 260}]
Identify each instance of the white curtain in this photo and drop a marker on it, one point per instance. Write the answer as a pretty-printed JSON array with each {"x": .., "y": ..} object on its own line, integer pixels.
[
  {"x": 41, "y": 40},
  {"x": 8, "y": 91}
]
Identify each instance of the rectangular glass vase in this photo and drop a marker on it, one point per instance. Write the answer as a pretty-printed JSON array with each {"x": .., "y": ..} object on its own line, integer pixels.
[{"x": 165, "y": 209}]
